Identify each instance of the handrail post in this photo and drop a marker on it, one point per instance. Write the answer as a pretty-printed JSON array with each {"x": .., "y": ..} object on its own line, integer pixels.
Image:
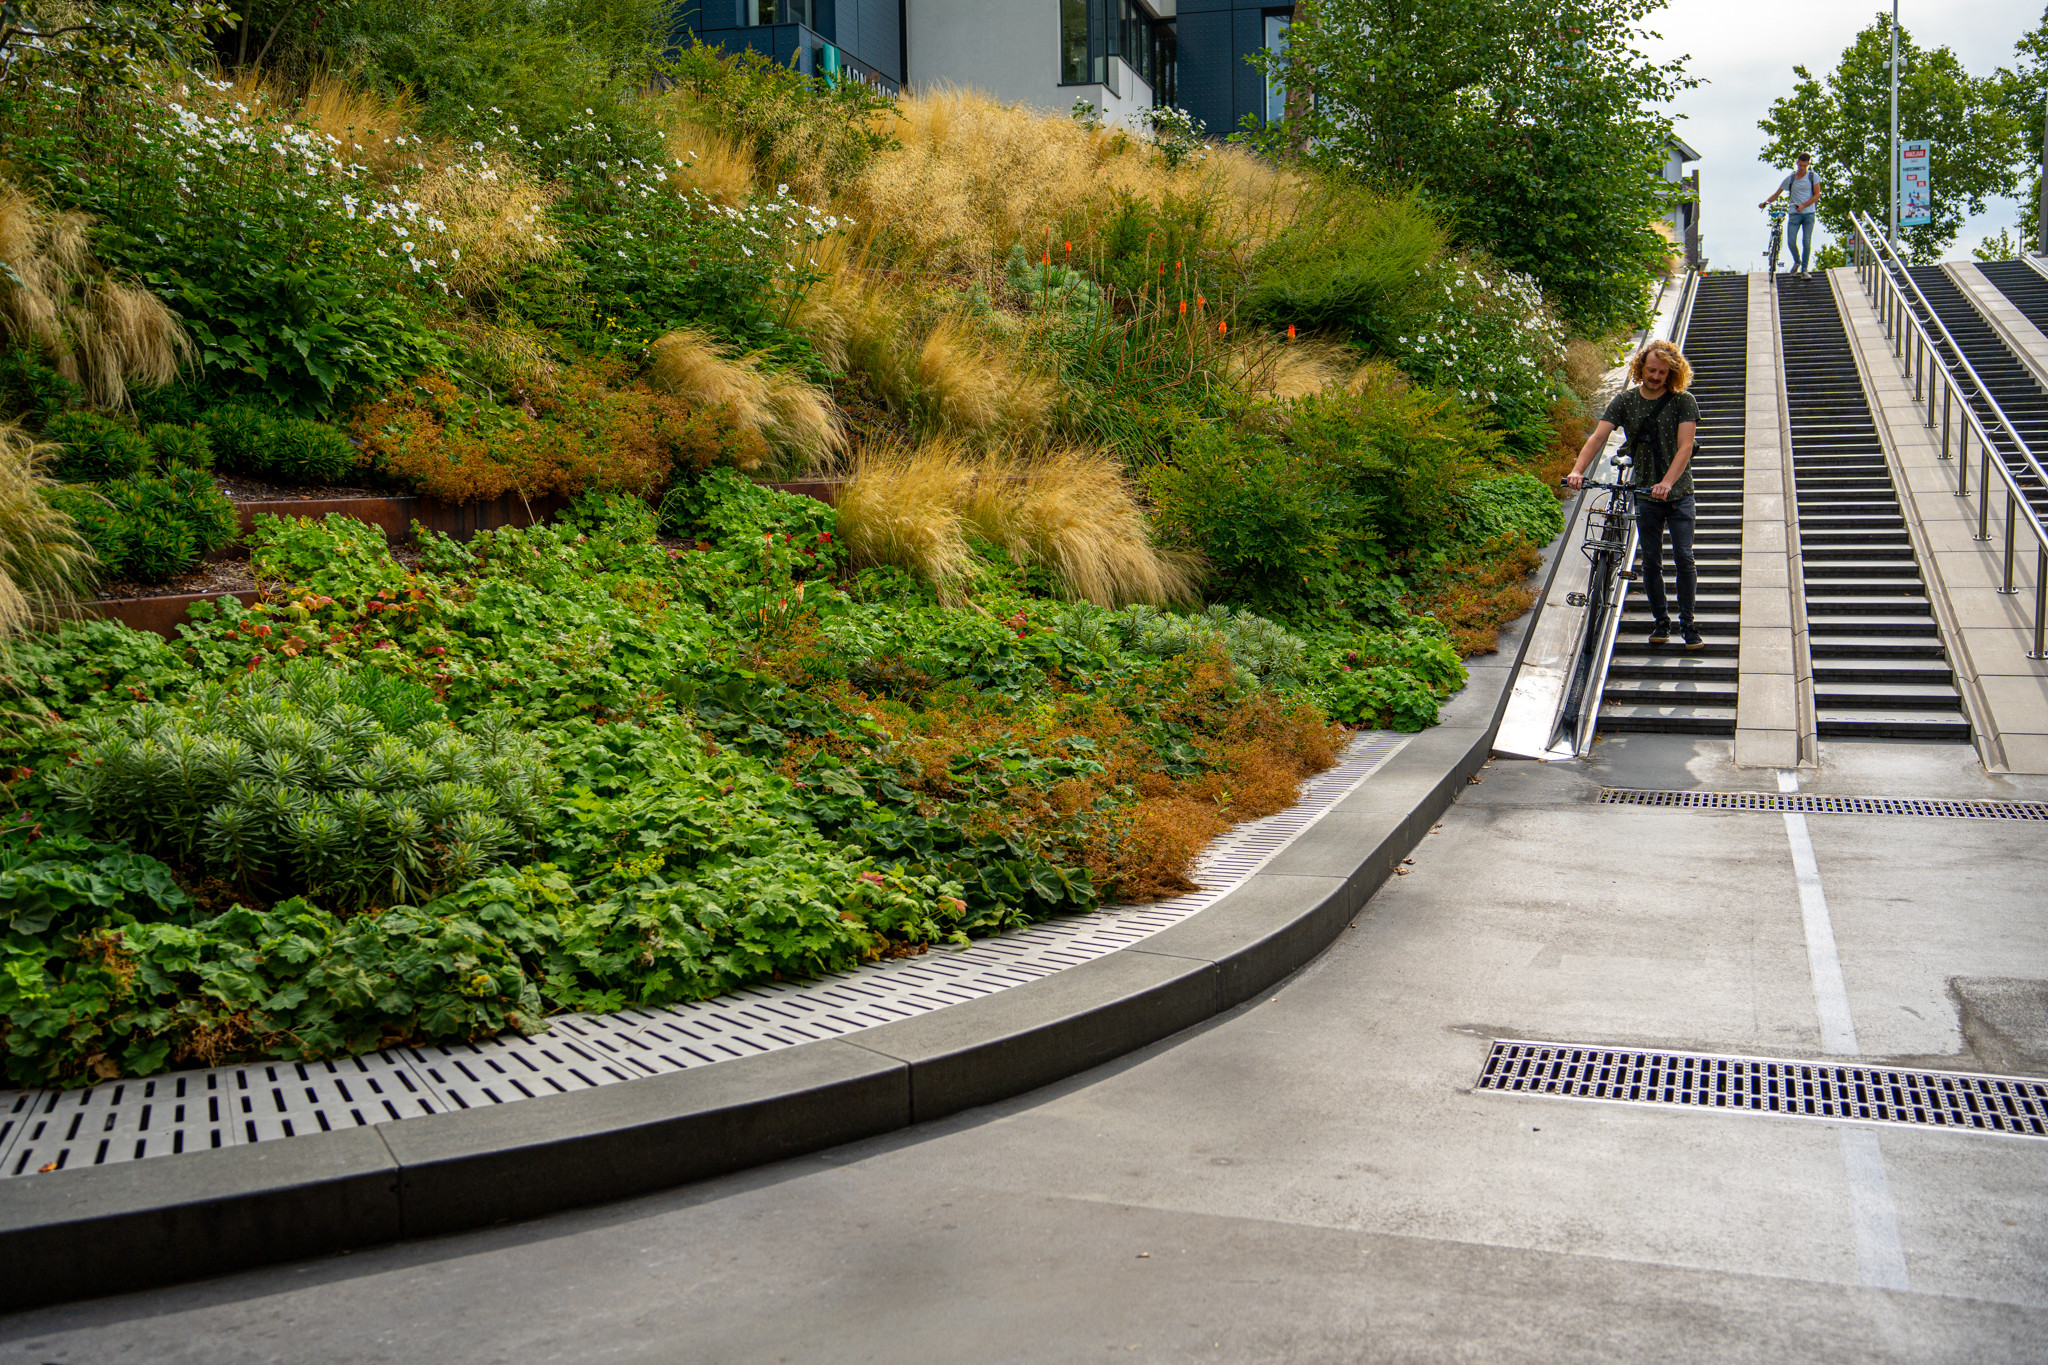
[
  {"x": 1963, "y": 457},
  {"x": 2011, "y": 530},
  {"x": 1930, "y": 395},
  {"x": 2040, "y": 600},
  {"x": 1984, "y": 491},
  {"x": 1948, "y": 406}
]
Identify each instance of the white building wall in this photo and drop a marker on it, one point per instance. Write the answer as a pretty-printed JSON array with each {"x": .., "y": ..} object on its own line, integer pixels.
[{"x": 1009, "y": 49}]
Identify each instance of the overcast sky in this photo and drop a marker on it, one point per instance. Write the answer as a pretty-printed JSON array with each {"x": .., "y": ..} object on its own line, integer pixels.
[{"x": 1746, "y": 49}]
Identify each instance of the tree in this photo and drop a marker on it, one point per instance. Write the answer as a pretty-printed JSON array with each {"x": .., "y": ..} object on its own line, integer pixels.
[
  {"x": 2023, "y": 90},
  {"x": 1531, "y": 124},
  {"x": 1844, "y": 122}
]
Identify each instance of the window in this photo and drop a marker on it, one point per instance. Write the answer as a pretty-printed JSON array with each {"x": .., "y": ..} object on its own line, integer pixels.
[
  {"x": 1276, "y": 88},
  {"x": 1093, "y": 31},
  {"x": 1073, "y": 42},
  {"x": 761, "y": 12}
]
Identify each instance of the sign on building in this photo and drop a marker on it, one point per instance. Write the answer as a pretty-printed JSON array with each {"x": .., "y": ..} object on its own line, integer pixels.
[{"x": 1916, "y": 196}]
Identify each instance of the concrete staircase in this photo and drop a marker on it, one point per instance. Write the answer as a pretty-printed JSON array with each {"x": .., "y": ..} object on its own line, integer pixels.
[{"x": 1880, "y": 670}]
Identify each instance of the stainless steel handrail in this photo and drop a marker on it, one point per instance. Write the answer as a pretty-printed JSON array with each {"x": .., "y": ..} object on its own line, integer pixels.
[
  {"x": 1914, "y": 344},
  {"x": 1903, "y": 279}
]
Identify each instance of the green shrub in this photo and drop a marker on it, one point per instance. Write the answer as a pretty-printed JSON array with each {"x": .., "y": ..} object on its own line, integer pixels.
[
  {"x": 1519, "y": 504},
  {"x": 1354, "y": 263},
  {"x": 150, "y": 527},
  {"x": 95, "y": 448},
  {"x": 156, "y": 543},
  {"x": 1395, "y": 679},
  {"x": 298, "y": 788},
  {"x": 1487, "y": 335},
  {"x": 31, "y": 391},
  {"x": 1266, "y": 521},
  {"x": 312, "y": 452},
  {"x": 288, "y": 288},
  {"x": 261, "y": 445},
  {"x": 174, "y": 444},
  {"x": 296, "y": 982},
  {"x": 98, "y": 523},
  {"x": 240, "y": 436}
]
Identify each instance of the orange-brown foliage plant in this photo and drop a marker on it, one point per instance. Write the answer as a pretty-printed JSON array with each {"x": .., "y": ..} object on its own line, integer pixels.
[
  {"x": 590, "y": 431},
  {"x": 1477, "y": 594},
  {"x": 1136, "y": 828}
]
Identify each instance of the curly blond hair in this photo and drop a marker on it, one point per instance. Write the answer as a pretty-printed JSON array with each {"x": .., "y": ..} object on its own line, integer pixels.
[{"x": 1681, "y": 371}]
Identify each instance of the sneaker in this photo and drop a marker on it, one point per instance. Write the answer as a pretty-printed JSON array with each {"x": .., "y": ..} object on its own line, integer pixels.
[
  {"x": 1660, "y": 633},
  {"x": 1693, "y": 640}
]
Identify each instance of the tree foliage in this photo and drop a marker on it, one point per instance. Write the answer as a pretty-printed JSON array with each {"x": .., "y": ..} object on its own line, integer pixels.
[
  {"x": 1534, "y": 125},
  {"x": 1844, "y": 123},
  {"x": 2023, "y": 91}
]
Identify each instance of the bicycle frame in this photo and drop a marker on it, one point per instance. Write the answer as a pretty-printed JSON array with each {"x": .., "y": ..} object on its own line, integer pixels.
[
  {"x": 1610, "y": 547},
  {"x": 1778, "y": 213}
]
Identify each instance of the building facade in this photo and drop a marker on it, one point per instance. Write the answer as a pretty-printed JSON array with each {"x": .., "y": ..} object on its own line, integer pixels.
[
  {"x": 1122, "y": 56},
  {"x": 860, "y": 39}
]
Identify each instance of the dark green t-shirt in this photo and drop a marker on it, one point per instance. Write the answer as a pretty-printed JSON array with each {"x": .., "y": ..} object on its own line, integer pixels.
[{"x": 1653, "y": 453}]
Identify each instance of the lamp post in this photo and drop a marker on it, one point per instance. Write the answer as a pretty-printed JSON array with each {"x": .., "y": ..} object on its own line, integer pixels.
[{"x": 1895, "y": 120}]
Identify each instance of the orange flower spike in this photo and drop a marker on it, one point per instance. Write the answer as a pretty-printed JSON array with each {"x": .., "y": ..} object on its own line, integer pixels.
[
  {"x": 1223, "y": 329},
  {"x": 1290, "y": 331},
  {"x": 1183, "y": 307},
  {"x": 1070, "y": 248},
  {"x": 1045, "y": 258},
  {"x": 1200, "y": 301}
]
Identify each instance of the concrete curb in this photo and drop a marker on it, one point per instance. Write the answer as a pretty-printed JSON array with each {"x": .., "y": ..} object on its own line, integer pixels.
[{"x": 113, "y": 1229}]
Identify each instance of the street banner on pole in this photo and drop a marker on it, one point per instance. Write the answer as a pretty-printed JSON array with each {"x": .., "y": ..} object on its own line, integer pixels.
[{"x": 1916, "y": 202}]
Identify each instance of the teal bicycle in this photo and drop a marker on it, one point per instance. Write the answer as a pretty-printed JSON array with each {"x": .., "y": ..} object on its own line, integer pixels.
[{"x": 1777, "y": 212}]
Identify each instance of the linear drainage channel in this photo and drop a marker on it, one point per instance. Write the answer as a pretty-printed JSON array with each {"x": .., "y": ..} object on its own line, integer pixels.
[
  {"x": 1808, "y": 803},
  {"x": 187, "y": 1111},
  {"x": 1842, "y": 1092}
]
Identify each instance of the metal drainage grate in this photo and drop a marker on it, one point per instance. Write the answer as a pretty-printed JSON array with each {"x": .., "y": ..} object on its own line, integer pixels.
[
  {"x": 1828, "y": 805},
  {"x": 1816, "y": 1090}
]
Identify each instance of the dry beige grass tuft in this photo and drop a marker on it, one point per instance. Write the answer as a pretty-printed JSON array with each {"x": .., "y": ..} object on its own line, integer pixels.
[
  {"x": 857, "y": 322},
  {"x": 1071, "y": 512},
  {"x": 56, "y": 299},
  {"x": 902, "y": 507},
  {"x": 794, "y": 416},
  {"x": 42, "y": 559},
  {"x": 1585, "y": 367},
  {"x": 1289, "y": 369},
  {"x": 715, "y": 162},
  {"x": 973, "y": 176},
  {"x": 973, "y": 388}
]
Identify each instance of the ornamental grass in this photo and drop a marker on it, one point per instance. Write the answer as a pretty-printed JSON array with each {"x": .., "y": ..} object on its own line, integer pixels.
[
  {"x": 1071, "y": 512},
  {"x": 57, "y": 300},
  {"x": 970, "y": 176},
  {"x": 42, "y": 558},
  {"x": 901, "y": 506},
  {"x": 795, "y": 417}
]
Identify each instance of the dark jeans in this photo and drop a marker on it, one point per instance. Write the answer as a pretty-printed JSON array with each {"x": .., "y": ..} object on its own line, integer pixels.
[{"x": 1652, "y": 517}]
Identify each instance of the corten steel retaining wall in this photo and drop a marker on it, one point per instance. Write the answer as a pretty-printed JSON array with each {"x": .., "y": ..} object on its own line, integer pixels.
[{"x": 394, "y": 516}]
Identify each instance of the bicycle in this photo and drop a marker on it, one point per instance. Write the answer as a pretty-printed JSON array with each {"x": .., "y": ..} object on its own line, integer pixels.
[
  {"x": 1610, "y": 550},
  {"x": 1777, "y": 212}
]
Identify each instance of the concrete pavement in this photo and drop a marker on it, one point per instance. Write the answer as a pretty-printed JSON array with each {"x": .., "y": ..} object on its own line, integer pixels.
[{"x": 1311, "y": 1177}]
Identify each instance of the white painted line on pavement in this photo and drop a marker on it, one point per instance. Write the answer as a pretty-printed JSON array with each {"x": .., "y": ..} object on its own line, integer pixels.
[
  {"x": 1837, "y": 1030},
  {"x": 1879, "y": 1256},
  {"x": 1880, "y": 1259}
]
